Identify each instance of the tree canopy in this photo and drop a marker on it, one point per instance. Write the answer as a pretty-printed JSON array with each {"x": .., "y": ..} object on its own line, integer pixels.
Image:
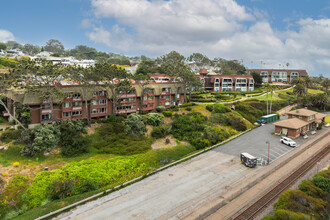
[{"x": 54, "y": 46}]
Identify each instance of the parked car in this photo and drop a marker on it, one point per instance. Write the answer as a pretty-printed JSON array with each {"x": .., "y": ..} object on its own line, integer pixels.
[{"x": 288, "y": 141}]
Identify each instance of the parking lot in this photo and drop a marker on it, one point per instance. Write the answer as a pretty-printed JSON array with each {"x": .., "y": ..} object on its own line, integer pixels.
[{"x": 254, "y": 143}]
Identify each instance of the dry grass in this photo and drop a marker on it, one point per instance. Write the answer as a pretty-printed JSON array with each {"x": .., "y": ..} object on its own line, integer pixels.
[{"x": 161, "y": 143}]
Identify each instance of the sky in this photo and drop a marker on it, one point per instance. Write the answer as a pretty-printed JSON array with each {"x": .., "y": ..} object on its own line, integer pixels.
[{"x": 260, "y": 33}]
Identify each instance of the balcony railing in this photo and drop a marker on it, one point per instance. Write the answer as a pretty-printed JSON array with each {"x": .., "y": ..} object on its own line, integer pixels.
[
  {"x": 124, "y": 111},
  {"x": 45, "y": 111}
]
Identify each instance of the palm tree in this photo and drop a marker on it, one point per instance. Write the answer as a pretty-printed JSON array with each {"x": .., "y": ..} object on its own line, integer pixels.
[
  {"x": 271, "y": 99},
  {"x": 299, "y": 90},
  {"x": 267, "y": 87}
]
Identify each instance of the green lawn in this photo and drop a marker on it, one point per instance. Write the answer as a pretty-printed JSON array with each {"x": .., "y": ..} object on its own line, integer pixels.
[
  {"x": 315, "y": 91},
  {"x": 264, "y": 97}
]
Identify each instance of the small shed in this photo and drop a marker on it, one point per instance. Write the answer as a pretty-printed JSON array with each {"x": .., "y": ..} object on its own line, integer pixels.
[{"x": 270, "y": 118}]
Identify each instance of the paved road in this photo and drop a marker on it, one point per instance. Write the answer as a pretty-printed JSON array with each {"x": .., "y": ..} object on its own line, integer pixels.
[{"x": 176, "y": 191}]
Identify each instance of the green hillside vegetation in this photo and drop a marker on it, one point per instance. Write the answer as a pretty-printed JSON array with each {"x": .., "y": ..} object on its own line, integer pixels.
[
  {"x": 311, "y": 199},
  {"x": 82, "y": 164}
]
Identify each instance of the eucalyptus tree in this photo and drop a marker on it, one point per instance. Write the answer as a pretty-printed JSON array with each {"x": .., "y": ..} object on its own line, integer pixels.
[
  {"x": 41, "y": 77},
  {"x": 199, "y": 60},
  {"x": 143, "y": 82},
  {"x": 87, "y": 79},
  {"x": 113, "y": 78},
  {"x": 326, "y": 83},
  {"x": 5, "y": 83},
  {"x": 173, "y": 65}
]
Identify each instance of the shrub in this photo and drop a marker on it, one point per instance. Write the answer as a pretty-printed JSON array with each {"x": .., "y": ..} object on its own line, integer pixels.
[
  {"x": 188, "y": 108},
  {"x": 10, "y": 135},
  {"x": 71, "y": 140},
  {"x": 134, "y": 125},
  {"x": 154, "y": 119},
  {"x": 43, "y": 138},
  {"x": 218, "y": 108},
  {"x": 238, "y": 124},
  {"x": 167, "y": 113},
  {"x": 308, "y": 187},
  {"x": 158, "y": 132},
  {"x": 11, "y": 196},
  {"x": 187, "y": 104},
  {"x": 160, "y": 108},
  {"x": 322, "y": 182},
  {"x": 59, "y": 189},
  {"x": 87, "y": 186}
]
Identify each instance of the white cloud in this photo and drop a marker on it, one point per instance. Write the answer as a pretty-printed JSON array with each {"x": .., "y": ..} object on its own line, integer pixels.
[
  {"x": 6, "y": 36},
  {"x": 216, "y": 28}
]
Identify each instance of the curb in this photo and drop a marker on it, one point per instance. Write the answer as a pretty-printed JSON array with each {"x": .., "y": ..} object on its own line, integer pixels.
[{"x": 108, "y": 191}]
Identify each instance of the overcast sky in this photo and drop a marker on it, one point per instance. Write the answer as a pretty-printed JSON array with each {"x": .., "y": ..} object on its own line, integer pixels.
[{"x": 261, "y": 33}]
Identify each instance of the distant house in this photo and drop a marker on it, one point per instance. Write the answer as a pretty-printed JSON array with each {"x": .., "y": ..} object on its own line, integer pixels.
[
  {"x": 226, "y": 83},
  {"x": 279, "y": 75},
  {"x": 299, "y": 122}
]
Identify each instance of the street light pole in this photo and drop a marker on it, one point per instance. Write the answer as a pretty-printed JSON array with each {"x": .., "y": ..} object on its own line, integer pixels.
[{"x": 267, "y": 142}]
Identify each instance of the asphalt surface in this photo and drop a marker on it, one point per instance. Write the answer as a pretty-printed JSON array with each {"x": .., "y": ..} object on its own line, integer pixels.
[
  {"x": 254, "y": 143},
  {"x": 176, "y": 191}
]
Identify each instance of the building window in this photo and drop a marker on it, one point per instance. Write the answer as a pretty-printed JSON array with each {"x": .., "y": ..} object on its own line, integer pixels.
[
  {"x": 95, "y": 94},
  {"x": 145, "y": 98},
  {"x": 76, "y": 113},
  {"x": 264, "y": 76},
  {"x": 148, "y": 91},
  {"x": 165, "y": 89},
  {"x": 102, "y": 93},
  {"x": 76, "y": 96},
  {"x": 95, "y": 102},
  {"x": 167, "y": 97},
  {"x": 66, "y": 114},
  {"x": 94, "y": 111},
  {"x": 177, "y": 96},
  {"x": 76, "y": 104},
  {"x": 46, "y": 117},
  {"x": 150, "y": 97},
  {"x": 66, "y": 105},
  {"x": 279, "y": 76},
  {"x": 103, "y": 102},
  {"x": 167, "y": 103},
  {"x": 294, "y": 75},
  {"x": 45, "y": 106},
  {"x": 103, "y": 110}
]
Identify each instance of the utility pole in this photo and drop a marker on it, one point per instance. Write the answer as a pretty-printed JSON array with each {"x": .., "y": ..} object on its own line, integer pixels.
[{"x": 267, "y": 142}]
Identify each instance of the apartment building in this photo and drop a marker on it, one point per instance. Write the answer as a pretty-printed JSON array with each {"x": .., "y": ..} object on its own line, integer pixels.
[
  {"x": 99, "y": 101},
  {"x": 279, "y": 75},
  {"x": 226, "y": 83}
]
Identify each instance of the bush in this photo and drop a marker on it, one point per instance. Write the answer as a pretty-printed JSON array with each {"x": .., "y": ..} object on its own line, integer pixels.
[
  {"x": 87, "y": 186},
  {"x": 10, "y": 135},
  {"x": 71, "y": 140},
  {"x": 160, "y": 108},
  {"x": 322, "y": 182},
  {"x": 154, "y": 119},
  {"x": 134, "y": 125},
  {"x": 189, "y": 109},
  {"x": 11, "y": 196},
  {"x": 187, "y": 104},
  {"x": 59, "y": 189},
  {"x": 167, "y": 113},
  {"x": 158, "y": 132},
  {"x": 238, "y": 124},
  {"x": 43, "y": 138},
  {"x": 111, "y": 138},
  {"x": 218, "y": 108}
]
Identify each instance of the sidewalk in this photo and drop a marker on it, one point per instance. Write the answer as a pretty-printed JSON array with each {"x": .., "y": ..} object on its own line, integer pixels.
[{"x": 244, "y": 193}]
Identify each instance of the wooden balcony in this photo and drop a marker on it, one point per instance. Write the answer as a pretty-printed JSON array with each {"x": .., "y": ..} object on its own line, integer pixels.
[
  {"x": 46, "y": 111},
  {"x": 77, "y": 108},
  {"x": 126, "y": 111}
]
